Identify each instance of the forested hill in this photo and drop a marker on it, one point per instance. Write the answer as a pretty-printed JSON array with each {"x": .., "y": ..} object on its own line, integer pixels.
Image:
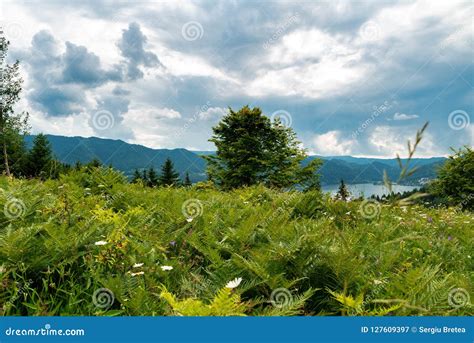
[{"x": 128, "y": 157}]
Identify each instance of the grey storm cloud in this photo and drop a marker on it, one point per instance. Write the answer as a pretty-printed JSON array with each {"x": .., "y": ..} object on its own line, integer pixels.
[
  {"x": 132, "y": 49},
  {"x": 60, "y": 80},
  {"x": 57, "y": 101},
  {"x": 83, "y": 67},
  {"x": 254, "y": 52}
]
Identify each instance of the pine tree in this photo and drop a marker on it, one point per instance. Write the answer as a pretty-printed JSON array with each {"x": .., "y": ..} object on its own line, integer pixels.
[
  {"x": 40, "y": 157},
  {"x": 152, "y": 178},
  {"x": 169, "y": 176},
  {"x": 95, "y": 163},
  {"x": 187, "y": 181},
  {"x": 343, "y": 194},
  {"x": 137, "y": 176}
]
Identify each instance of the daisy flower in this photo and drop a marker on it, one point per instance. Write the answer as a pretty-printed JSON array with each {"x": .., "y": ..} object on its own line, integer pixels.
[
  {"x": 100, "y": 243},
  {"x": 234, "y": 283},
  {"x": 139, "y": 273},
  {"x": 166, "y": 268}
]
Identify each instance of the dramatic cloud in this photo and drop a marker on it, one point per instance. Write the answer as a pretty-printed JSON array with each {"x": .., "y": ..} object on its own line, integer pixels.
[
  {"x": 132, "y": 48},
  {"x": 354, "y": 77}
]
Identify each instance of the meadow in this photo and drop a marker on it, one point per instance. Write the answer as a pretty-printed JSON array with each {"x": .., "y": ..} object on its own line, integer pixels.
[{"x": 90, "y": 243}]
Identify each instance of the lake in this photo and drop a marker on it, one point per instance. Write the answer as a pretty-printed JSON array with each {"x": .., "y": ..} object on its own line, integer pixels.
[{"x": 367, "y": 189}]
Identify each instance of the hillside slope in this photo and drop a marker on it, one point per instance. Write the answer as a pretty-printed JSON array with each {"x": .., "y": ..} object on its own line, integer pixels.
[{"x": 128, "y": 157}]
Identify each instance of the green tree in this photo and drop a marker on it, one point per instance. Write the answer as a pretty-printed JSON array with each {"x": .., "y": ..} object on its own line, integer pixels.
[
  {"x": 455, "y": 180},
  {"x": 342, "y": 194},
  {"x": 17, "y": 154},
  {"x": 152, "y": 178},
  {"x": 95, "y": 163},
  {"x": 12, "y": 125},
  {"x": 169, "y": 176},
  {"x": 251, "y": 149},
  {"x": 137, "y": 177},
  {"x": 187, "y": 181},
  {"x": 40, "y": 157}
]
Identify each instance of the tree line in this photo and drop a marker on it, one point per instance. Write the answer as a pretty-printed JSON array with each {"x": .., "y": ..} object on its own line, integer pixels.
[
  {"x": 251, "y": 149},
  {"x": 168, "y": 176}
]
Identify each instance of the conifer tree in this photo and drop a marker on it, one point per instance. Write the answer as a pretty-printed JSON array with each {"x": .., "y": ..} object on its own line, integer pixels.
[
  {"x": 187, "y": 181},
  {"x": 343, "y": 194},
  {"x": 152, "y": 178},
  {"x": 95, "y": 163},
  {"x": 168, "y": 175},
  {"x": 40, "y": 157},
  {"x": 136, "y": 176}
]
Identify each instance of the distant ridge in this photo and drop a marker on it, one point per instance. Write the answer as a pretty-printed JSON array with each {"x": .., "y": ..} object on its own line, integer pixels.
[{"x": 128, "y": 157}]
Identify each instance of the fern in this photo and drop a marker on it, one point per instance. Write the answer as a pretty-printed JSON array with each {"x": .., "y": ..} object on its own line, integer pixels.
[{"x": 224, "y": 303}]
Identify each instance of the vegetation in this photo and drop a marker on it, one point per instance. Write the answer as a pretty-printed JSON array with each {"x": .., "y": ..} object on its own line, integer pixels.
[
  {"x": 252, "y": 150},
  {"x": 343, "y": 193},
  {"x": 455, "y": 180},
  {"x": 168, "y": 177},
  {"x": 12, "y": 125},
  {"x": 168, "y": 251},
  {"x": 85, "y": 241}
]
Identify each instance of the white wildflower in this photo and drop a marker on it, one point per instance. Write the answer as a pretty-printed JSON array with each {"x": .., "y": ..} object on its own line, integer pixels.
[
  {"x": 137, "y": 265},
  {"x": 101, "y": 243},
  {"x": 234, "y": 283},
  {"x": 166, "y": 268},
  {"x": 138, "y": 273}
]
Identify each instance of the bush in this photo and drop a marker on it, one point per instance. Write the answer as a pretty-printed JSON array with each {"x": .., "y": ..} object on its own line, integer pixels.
[{"x": 455, "y": 180}]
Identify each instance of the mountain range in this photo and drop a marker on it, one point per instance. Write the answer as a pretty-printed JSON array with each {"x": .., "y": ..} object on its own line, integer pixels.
[{"x": 128, "y": 157}]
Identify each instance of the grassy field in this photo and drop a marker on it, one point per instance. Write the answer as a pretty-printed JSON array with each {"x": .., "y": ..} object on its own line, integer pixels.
[{"x": 91, "y": 244}]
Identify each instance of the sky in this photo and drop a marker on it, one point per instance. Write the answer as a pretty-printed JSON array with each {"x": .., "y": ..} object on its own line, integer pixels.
[{"x": 350, "y": 77}]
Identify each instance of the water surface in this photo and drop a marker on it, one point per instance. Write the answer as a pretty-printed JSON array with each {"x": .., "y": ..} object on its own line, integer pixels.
[{"x": 367, "y": 189}]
